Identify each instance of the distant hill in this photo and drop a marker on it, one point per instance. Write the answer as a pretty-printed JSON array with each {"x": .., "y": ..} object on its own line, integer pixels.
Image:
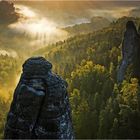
[
  {"x": 96, "y": 23},
  {"x": 135, "y": 12}
]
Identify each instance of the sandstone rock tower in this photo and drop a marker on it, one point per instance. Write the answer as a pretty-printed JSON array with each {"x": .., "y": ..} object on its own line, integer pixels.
[
  {"x": 40, "y": 108},
  {"x": 130, "y": 52}
]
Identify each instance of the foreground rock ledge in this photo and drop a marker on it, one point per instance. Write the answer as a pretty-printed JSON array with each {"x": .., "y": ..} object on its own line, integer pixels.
[{"x": 40, "y": 108}]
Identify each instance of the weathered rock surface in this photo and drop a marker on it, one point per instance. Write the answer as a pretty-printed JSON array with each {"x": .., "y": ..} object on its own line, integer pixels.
[
  {"x": 40, "y": 107},
  {"x": 130, "y": 52}
]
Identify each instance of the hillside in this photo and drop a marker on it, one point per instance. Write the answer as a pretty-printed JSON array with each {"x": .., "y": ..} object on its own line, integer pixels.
[
  {"x": 96, "y": 23},
  {"x": 101, "y": 107},
  {"x": 89, "y": 46}
]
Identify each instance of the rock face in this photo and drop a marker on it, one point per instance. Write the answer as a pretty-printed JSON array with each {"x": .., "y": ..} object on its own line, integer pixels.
[
  {"x": 130, "y": 52},
  {"x": 40, "y": 108}
]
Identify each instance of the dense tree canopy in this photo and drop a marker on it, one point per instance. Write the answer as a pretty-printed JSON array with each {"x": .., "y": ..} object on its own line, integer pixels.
[
  {"x": 8, "y": 75},
  {"x": 100, "y": 107}
]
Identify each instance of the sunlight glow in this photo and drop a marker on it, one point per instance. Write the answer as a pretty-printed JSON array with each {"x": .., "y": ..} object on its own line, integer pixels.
[
  {"x": 36, "y": 27},
  {"x": 39, "y": 28},
  {"x": 42, "y": 26},
  {"x": 32, "y": 23}
]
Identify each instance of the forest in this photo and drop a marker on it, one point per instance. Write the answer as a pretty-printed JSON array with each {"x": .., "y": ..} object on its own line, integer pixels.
[
  {"x": 101, "y": 108},
  {"x": 9, "y": 68}
]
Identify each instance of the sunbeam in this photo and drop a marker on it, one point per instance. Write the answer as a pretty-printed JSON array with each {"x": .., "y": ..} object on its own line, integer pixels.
[{"x": 37, "y": 27}]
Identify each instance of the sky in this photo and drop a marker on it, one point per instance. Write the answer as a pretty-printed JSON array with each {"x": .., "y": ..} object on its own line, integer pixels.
[
  {"x": 67, "y": 13},
  {"x": 53, "y": 15}
]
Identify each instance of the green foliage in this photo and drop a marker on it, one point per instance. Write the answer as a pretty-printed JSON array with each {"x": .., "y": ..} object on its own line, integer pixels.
[
  {"x": 8, "y": 68},
  {"x": 8, "y": 74}
]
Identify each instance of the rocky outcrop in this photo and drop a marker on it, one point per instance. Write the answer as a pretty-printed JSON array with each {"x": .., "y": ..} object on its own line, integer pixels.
[
  {"x": 130, "y": 52},
  {"x": 40, "y": 108}
]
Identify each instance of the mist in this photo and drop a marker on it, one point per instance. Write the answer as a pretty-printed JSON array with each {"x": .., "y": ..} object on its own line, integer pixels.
[{"x": 39, "y": 29}]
